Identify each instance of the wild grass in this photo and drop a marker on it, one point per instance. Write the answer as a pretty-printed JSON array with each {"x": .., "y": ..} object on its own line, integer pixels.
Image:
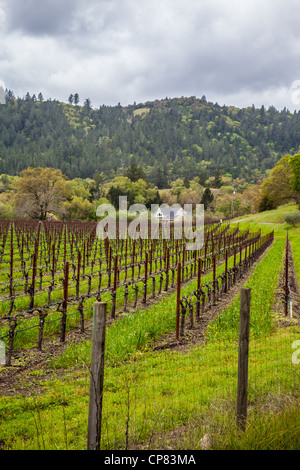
[
  {"x": 150, "y": 397},
  {"x": 172, "y": 398}
]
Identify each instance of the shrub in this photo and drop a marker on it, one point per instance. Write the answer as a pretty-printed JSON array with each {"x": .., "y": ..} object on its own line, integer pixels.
[{"x": 293, "y": 219}]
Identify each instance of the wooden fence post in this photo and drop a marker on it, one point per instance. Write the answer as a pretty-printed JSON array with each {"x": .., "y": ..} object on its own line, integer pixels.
[
  {"x": 226, "y": 270},
  {"x": 242, "y": 388},
  {"x": 65, "y": 305},
  {"x": 178, "y": 300},
  {"x": 286, "y": 286},
  {"x": 97, "y": 375},
  {"x": 78, "y": 274},
  {"x": 114, "y": 292},
  {"x": 146, "y": 278}
]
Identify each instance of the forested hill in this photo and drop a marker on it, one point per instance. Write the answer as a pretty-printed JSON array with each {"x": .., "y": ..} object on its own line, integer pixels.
[{"x": 170, "y": 139}]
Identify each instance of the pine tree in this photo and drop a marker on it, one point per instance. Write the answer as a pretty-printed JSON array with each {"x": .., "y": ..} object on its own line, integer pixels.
[
  {"x": 207, "y": 198},
  {"x": 76, "y": 99}
]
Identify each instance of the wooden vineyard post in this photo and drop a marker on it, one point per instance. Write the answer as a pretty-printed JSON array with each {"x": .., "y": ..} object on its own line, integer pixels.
[
  {"x": 234, "y": 265},
  {"x": 151, "y": 257},
  {"x": 199, "y": 273},
  {"x": 199, "y": 287},
  {"x": 65, "y": 305},
  {"x": 178, "y": 300},
  {"x": 53, "y": 261},
  {"x": 83, "y": 259},
  {"x": 96, "y": 376},
  {"x": 183, "y": 261},
  {"x": 214, "y": 277},
  {"x": 286, "y": 287},
  {"x": 226, "y": 270},
  {"x": 167, "y": 270},
  {"x": 12, "y": 326},
  {"x": 109, "y": 266},
  {"x": 11, "y": 262},
  {"x": 78, "y": 274},
  {"x": 242, "y": 387},
  {"x": 146, "y": 278},
  {"x": 133, "y": 259},
  {"x": 114, "y": 293},
  {"x": 32, "y": 289}
]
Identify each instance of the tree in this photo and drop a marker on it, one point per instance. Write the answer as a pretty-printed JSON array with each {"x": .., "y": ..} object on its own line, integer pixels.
[
  {"x": 71, "y": 98},
  {"x": 266, "y": 203},
  {"x": 78, "y": 209},
  {"x": 134, "y": 172},
  {"x": 207, "y": 198},
  {"x": 218, "y": 180},
  {"x": 76, "y": 99},
  {"x": 39, "y": 192},
  {"x": 121, "y": 186},
  {"x": 277, "y": 188},
  {"x": 295, "y": 168},
  {"x": 186, "y": 182},
  {"x": 9, "y": 95},
  {"x": 178, "y": 187},
  {"x": 87, "y": 104}
]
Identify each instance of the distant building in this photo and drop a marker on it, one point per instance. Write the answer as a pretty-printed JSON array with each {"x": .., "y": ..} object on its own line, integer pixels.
[{"x": 172, "y": 213}]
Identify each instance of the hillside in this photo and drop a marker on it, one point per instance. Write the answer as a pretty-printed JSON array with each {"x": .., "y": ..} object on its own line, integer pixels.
[{"x": 170, "y": 138}]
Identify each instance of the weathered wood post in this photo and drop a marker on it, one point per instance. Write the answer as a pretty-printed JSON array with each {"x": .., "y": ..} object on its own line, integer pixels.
[
  {"x": 178, "y": 300},
  {"x": 63, "y": 322},
  {"x": 78, "y": 274},
  {"x": 286, "y": 286},
  {"x": 242, "y": 387},
  {"x": 146, "y": 278},
  {"x": 226, "y": 270},
  {"x": 96, "y": 376},
  {"x": 114, "y": 292}
]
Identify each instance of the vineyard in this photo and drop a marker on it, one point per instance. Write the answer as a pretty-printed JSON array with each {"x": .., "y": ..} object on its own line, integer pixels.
[
  {"x": 158, "y": 295},
  {"x": 55, "y": 271}
]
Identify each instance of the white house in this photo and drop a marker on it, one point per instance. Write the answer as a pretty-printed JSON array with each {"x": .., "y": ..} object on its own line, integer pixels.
[{"x": 173, "y": 213}]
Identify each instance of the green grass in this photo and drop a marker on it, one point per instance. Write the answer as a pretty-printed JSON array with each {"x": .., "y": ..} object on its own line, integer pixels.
[
  {"x": 133, "y": 331},
  {"x": 173, "y": 397},
  {"x": 163, "y": 391},
  {"x": 276, "y": 216},
  {"x": 262, "y": 298}
]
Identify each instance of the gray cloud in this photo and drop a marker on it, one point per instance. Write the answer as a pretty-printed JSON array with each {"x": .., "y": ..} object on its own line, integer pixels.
[
  {"x": 130, "y": 50},
  {"x": 37, "y": 18}
]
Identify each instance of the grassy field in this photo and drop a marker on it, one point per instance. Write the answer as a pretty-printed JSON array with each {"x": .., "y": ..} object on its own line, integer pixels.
[{"x": 173, "y": 398}]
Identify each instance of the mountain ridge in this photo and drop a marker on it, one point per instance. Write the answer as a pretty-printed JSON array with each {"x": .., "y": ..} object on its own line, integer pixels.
[{"x": 169, "y": 138}]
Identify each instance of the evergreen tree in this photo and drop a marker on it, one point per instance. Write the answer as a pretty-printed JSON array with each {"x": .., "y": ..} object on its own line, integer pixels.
[
  {"x": 134, "y": 172},
  {"x": 207, "y": 198}
]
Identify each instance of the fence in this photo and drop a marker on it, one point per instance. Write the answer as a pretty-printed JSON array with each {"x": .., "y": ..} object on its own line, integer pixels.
[
  {"x": 174, "y": 397},
  {"x": 149, "y": 272},
  {"x": 206, "y": 295}
]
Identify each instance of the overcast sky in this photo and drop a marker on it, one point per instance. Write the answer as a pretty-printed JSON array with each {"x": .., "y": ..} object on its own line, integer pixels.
[{"x": 235, "y": 52}]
